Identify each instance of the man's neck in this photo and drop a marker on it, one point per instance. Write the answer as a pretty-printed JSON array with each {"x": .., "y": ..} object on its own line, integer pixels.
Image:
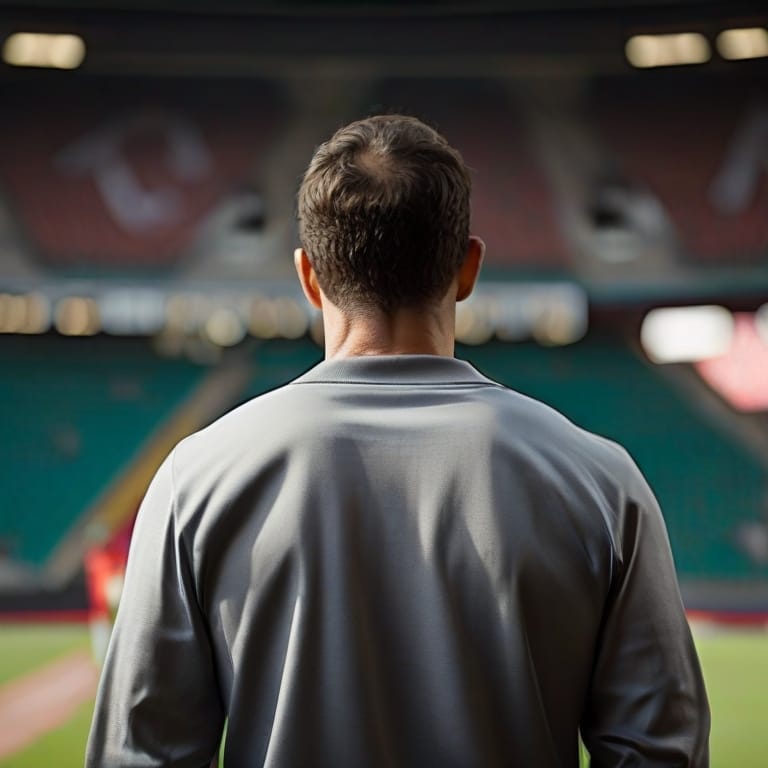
[{"x": 404, "y": 332}]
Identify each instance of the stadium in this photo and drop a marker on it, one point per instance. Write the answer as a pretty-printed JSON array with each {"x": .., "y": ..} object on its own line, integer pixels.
[{"x": 150, "y": 157}]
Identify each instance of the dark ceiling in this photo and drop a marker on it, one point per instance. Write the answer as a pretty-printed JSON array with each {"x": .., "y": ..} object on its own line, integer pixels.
[
  {"x": 247, "y": 37},
  {"x": 258, "y": 7}
]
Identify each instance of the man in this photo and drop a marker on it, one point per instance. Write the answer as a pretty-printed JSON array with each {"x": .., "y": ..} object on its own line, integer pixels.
[{"x": 393, "y": 560}]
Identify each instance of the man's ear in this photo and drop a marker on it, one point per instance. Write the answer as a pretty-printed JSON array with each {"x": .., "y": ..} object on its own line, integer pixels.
[
  {"x": 470, "y": 269},
  {"x": 307, "y": 278}
]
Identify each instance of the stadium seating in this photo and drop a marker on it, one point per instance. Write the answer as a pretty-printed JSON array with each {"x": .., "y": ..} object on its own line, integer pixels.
[
  {"x": 77, "y": 413},
  {"x": 121, "y": 181},
  {"x": 707, "y": 483},
  {"x": 700, "y": 146},
  {"x": 74, "y": 414},
  {"x": 513, "y": 204}
]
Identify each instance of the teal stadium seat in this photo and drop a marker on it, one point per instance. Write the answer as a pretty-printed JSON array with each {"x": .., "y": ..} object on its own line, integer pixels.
[
  {"x": 706, "y": 481},
  {"x": 75, "y": 413}
]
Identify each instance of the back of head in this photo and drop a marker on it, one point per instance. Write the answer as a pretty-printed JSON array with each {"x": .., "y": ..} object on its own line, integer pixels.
[{"x": 384, "y": 214}]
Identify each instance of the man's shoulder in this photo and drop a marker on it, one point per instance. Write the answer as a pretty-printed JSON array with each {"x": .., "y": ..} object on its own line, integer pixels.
[
  {"x": 551, "y": 434},
  {"x": 291, "y": 414},
  {"x": 265, "y": 415},
  {"x": 540, "y": 418}
]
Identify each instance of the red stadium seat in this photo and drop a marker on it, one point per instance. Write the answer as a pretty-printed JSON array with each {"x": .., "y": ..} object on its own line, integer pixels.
[
  {"x": 125, "y": 181},
  {"x": 702, "y": 150}
]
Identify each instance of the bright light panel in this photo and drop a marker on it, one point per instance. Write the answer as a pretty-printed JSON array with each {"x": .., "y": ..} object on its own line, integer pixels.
[
  {"x": 224, "y": 328},
  {"x": 35, "y": 49},
  {"x": 30, "y": 313},
  {"x": 747, "y": 43},
  {"x": 686, "y": 334},
  {"x": 644, "y": 51},
  {"x": 77, "y": 316}
]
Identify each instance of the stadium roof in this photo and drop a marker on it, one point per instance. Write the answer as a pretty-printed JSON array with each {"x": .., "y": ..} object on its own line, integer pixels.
[
  {"x": 259, "y": 6},
  {"x": 244, "y": 38},
  {"x": 689, "y": 8}
]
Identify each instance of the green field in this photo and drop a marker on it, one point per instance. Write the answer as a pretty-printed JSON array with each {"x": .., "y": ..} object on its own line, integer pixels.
[
  {"x": 25, "y": 647},
  {"x": 735, "y": 666}
]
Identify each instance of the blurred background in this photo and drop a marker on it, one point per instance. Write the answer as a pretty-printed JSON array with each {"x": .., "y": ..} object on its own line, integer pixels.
[{"x": 150, "y": 152}]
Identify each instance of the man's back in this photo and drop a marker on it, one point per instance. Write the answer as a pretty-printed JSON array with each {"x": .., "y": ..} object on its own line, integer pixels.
[{"x": 394, "y": 561}]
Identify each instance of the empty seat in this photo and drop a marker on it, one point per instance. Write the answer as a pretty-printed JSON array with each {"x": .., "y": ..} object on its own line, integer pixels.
[
  {"x": 701, "y": 146},
  {"x": 122, "y": 181}
]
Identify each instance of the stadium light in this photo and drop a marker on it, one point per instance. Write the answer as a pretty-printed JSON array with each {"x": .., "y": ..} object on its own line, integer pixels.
[
  {"x": 646, "y": 51},
  {"x": 558, "y": 325},
  {"x": 292, "y": 320},
  {"x": 686, "y": 334},
  {"x": 35, "y": 49},
  {"x": 263, "y": 318},
  {"x": 745, "y": 43},
  {"x": 472, "y": 324},
  {"x": 38, "y": 314},
  {"x": 28, "y": 314},
  {"x": 77, "y": 316},
  {"x": 224, "y": 327},
  {"x": 12, "y": 313}
]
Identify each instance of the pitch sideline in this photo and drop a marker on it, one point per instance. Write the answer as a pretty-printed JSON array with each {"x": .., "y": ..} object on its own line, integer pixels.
[{"x": 37, "y": 702}]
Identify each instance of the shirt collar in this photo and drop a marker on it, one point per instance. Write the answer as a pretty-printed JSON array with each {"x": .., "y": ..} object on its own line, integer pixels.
[{"x": 394, "y": 369}]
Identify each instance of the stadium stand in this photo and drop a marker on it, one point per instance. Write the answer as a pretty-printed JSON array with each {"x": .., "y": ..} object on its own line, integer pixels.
[
  {"x": 122, "y": 180},
  {"x": 707, "y": 482},
  {"x": 513, "y": 205},
  {"x": 75, "y": 413},
  {"x": 700, "y": 145}
]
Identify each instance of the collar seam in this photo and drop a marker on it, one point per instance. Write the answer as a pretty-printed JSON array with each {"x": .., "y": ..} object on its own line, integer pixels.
[{"x": 401, "y": 383}]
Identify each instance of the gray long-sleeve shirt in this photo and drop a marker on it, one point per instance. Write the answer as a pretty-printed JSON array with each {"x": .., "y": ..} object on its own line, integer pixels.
[{"x": 394, "y": 561}]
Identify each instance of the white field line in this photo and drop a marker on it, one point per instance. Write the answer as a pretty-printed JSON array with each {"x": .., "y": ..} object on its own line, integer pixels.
[{"x": 44, "y": 699}]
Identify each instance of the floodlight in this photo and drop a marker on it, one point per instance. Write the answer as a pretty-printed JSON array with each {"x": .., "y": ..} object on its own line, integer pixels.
[
  {"x": 744, "y": 43},
  {"x": 645, "y": 51},
  {"x": 686, "y": 334},
  {"x": 36, "y": 49}
]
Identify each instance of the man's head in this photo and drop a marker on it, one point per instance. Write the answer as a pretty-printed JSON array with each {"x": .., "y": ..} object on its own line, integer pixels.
[{"x": 384, "y": 215}]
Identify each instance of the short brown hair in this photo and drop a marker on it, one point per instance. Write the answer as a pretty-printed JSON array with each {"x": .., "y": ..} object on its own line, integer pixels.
[{"x": 384, "y": 214}]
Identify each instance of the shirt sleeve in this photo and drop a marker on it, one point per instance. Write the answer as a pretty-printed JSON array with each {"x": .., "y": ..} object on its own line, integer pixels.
[
  {"x": 647, "y": 704},
  {"x": 158, "y": 702}
]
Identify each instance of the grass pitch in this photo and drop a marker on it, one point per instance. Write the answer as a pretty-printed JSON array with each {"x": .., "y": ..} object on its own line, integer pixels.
[
  {"x": 735, "y": 666},
  {"x": 24, "y": 647}
]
